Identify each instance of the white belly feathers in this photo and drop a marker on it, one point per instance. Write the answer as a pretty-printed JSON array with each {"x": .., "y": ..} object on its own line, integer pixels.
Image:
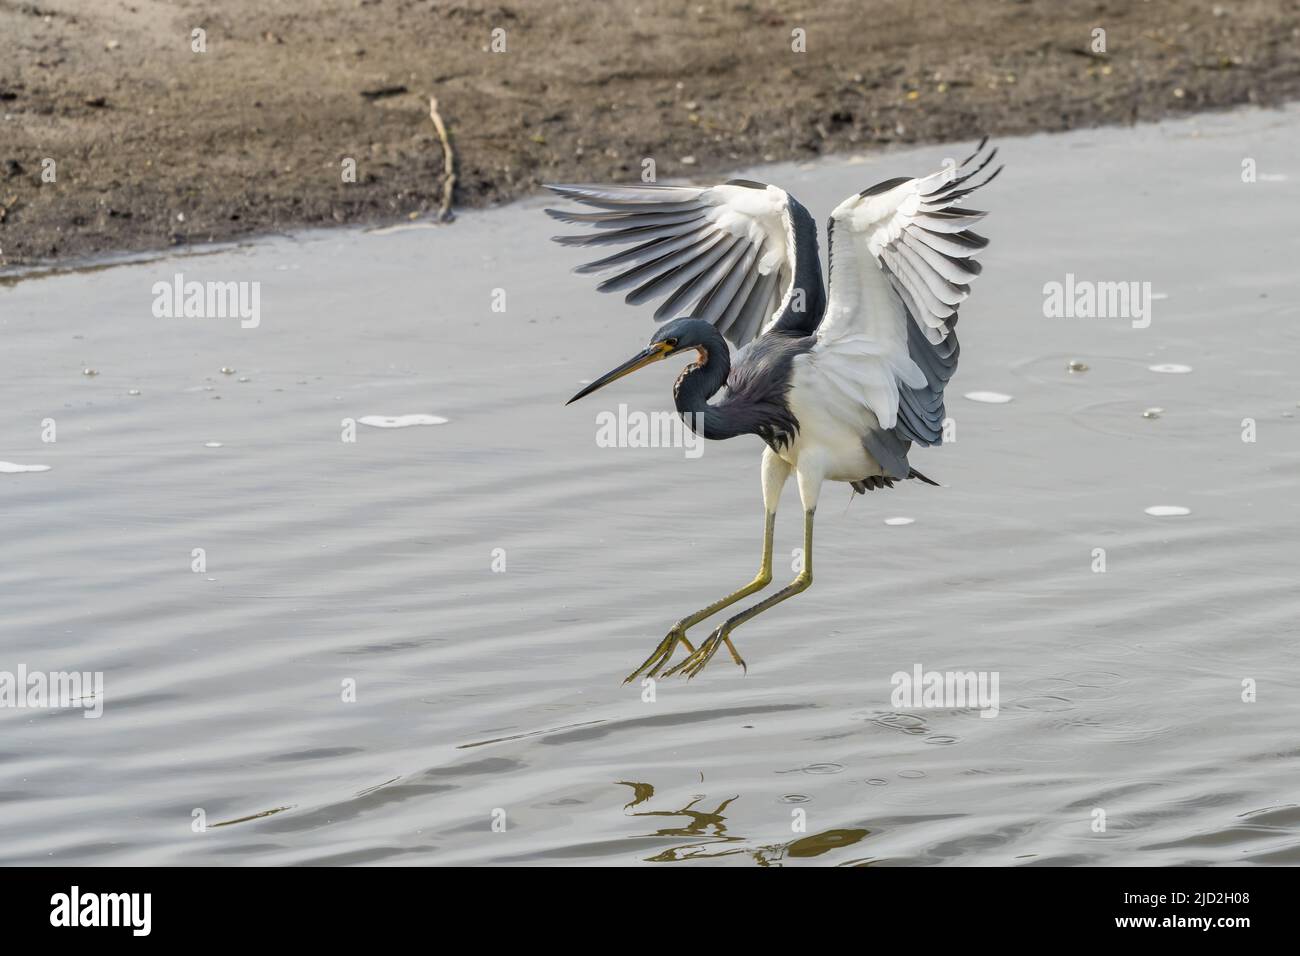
[{"x": 832, "y": 431}]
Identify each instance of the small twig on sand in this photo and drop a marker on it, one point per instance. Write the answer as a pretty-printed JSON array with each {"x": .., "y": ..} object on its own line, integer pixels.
[{"x": 448, "y": 162}]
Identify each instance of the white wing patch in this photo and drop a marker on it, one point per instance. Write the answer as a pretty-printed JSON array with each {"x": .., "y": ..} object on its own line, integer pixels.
[
  {"x": 724, "y": 253},
  {"x": 901, "y": 261}
]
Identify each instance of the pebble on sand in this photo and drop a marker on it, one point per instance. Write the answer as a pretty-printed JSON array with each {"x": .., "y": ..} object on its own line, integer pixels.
[{"x": 988, "y": 398}]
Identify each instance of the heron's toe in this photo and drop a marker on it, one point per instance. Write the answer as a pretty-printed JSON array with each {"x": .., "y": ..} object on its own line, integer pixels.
[
  {"x": 685, "y": 666},
  {"x": 661, "y": 655},
  {"x": 700, "y": 659}
]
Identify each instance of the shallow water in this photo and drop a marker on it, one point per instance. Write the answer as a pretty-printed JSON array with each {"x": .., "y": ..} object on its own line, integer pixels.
[{"x": 487, "y": 583}]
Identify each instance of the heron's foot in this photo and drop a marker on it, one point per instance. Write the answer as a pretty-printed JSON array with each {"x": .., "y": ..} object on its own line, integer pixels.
[
  {"x": 700, "y": 658},
  {"x": 662, "y": 654}
]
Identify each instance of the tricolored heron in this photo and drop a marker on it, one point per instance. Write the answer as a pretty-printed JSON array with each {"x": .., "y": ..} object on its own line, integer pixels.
[{"x": 840, "y": 386}]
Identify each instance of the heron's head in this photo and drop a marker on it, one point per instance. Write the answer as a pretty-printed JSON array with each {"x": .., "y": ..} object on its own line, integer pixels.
[{"x": 669, "y": 339}]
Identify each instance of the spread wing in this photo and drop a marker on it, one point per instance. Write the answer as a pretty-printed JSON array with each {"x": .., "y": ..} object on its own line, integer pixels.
[
  {"x": 725, "y": 252},
  {"x": 902, "y": 257}
]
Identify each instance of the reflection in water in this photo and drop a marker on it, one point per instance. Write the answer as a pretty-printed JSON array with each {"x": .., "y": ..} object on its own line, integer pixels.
[
  {"x": 712, "y": 826},
  {"x": 820, "y": 843},
  {"x": 706, "y": 833},
  {"x": 641, "y": 792}
]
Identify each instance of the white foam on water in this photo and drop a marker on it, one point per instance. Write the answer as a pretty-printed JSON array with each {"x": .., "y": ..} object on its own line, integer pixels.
[
  {"x": 1171, "y": 368},
  {"x": 899, "y": 521},
  {"x": 1167, "y": 511},
  {"x": 988, "y": 398},
  {"x": 212, "y": 444},
  {"x": 401, "y": 421},
  {"x": 9, "y": 468}
]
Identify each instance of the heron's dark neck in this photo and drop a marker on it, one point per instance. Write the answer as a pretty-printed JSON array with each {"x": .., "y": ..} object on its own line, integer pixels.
[{"x": 698, "y": 383}]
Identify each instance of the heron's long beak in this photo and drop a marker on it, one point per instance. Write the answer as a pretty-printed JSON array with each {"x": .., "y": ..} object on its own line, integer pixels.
[{"x": 654, "y": 353}]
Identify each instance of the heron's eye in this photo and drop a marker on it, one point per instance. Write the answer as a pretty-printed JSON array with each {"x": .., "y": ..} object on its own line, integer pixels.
[{"x": 671, "y": 343}]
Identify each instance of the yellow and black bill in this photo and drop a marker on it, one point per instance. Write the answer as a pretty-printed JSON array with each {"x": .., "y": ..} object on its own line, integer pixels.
[{"x": 654, "y": 353}]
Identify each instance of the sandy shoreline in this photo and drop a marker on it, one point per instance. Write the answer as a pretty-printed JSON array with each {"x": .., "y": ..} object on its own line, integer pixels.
[{"x": 157, "y": 146}]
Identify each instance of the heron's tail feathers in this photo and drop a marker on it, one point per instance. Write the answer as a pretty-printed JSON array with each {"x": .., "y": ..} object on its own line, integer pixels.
[{"x": 863, "y": 485}]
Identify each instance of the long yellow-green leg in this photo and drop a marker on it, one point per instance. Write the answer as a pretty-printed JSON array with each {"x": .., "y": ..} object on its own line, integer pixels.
[
  {"x": 656, "y": 661},
  {"x": 697, "y": 661}
]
